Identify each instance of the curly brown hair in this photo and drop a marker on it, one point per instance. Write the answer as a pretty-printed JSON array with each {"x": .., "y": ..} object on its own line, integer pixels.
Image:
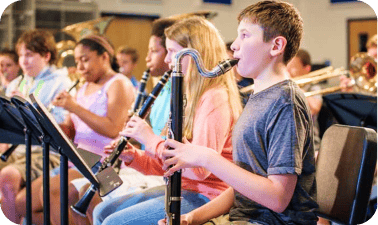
[{"x": 39, "y": 41}]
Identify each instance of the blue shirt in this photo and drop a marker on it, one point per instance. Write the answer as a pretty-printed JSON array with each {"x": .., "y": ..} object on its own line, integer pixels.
[
  {"x": 160, "y": 110},
  {"x": 135, "y": 82},
  {"x": 45, "y": 86}
]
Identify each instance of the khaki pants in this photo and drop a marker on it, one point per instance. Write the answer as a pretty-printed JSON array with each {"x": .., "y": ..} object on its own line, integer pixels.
[
  {"x": 36, "y": 165},
  {"x": 225, "y": 220}
]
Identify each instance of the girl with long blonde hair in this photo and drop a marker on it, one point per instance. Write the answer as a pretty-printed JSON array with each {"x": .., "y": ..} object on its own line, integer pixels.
[{"x": 212, "y": 107}]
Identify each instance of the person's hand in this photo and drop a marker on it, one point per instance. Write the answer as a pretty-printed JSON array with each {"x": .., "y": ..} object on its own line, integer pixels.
[
  {"x": 4, "y": 147},
  {"x": 17, "y": 93},
  {"x": 346, "y": 84},
  {"x": 65, "y": 100},
  {"x": 138, "y": 129},
  {"x": 184, "y": 155},
  {"x": 127, "y": 154},
  {"x": 184, "y": 220}
]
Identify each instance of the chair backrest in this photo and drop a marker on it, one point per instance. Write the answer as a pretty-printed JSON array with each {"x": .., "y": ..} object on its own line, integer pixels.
[{"x": 344, "y": 173}]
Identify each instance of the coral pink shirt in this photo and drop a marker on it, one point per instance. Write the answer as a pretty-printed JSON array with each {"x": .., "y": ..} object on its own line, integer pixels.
[{"x": 212, "y": 128}]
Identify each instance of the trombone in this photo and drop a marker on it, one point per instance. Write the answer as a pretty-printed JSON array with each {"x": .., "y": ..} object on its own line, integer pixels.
[
  {"x": 318, "y": 76},
  {"x": 362, "y": 72}
]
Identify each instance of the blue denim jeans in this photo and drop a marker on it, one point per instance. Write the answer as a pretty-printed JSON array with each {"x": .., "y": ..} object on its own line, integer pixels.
[{"x": 143, "y": 207}]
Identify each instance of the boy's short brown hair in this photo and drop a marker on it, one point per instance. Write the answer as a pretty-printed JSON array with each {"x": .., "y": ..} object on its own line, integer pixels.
[
  {"x": 129, "y": 51},
  {"x": 39, "y": 41},
  {"x": 277, "y": 18}
]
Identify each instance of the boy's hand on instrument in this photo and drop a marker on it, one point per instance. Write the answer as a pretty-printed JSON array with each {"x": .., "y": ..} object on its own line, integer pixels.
[
  {"x": 17, "y": 93},
  {"x": 184, "y": 155},
  {"x": 138, "y": 129}
]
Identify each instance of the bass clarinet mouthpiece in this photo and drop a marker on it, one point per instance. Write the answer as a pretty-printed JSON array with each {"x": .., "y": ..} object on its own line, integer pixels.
[{"x": 226, "y": 65}]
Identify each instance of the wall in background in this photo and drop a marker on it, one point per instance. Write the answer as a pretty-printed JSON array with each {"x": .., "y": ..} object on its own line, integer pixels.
[{"x": 325, "y": 23}]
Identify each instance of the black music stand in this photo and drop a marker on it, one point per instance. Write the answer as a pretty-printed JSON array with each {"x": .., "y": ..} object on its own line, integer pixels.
[
  {"x": 106, "y": 181},
  {"x": 353, "y": 109},
  {"x": 11, "y": 123},
  {"x": 33, "y": 125},
  {"x": 16, "y": 121}
]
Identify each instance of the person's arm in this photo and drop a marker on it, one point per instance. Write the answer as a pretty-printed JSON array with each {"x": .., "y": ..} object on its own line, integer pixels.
[
  {"x": 315, "y": 102},
  {"x": 4, "y": 147},
  {"x": 120, "y": 98},
  {"x": 137, "y": 159},
  {"x": 315, "y": 105},
  {"x": 273, "y": 192},
  {"x": 216, "y": 207},
  {"x": 208, "y": 131},
  {"x": 68, "y": 127},
  {"x": 211, "y": 129}
]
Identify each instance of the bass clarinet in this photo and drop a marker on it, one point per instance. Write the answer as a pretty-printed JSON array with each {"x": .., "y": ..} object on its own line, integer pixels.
[
  {"x": 173, "y": 183},
  {"x": 82, "y": 205}
]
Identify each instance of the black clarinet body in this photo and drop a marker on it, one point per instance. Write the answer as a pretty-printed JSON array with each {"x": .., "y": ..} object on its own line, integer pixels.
[
  {"x": 82, "y": 205},
  {"x": 140, "y": 95},
  {"x": 173, "y": 183},
  {"x": 4, "y": 157}
]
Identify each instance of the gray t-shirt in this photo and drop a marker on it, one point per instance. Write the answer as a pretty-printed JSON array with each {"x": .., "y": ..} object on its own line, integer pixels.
[{"x": 274, "y": 135}]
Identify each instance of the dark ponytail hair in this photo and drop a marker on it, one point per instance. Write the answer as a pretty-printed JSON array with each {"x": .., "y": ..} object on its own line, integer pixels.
[{"x": 100, "y": 49}]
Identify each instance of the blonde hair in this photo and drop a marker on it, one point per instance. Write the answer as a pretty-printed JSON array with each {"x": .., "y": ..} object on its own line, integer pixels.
[{"x": 198, "y": 33}]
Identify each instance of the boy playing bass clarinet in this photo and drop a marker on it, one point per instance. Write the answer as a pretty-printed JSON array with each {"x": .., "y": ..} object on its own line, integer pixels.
[{"x": 272, "y": 179}]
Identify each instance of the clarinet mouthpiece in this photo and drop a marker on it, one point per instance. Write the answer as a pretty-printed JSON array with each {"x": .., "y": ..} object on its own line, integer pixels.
[
  {"x": 233, "y": 62},
  {"x": 226, "y": 65}
]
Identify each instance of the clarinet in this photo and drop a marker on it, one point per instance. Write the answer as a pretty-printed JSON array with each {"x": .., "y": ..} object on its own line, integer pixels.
[
  {"x": 173, "y": 183},
  {"x": 82, "y": 205},
  {"x": 50, "y": 107},
  {"x": 140, "y": 97},
  {"x": 4, "y": 157}
]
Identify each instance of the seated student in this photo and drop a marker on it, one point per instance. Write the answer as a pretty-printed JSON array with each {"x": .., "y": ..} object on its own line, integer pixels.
[
  {"x": 346, "y": 83},
  {"x": 37, "y": 55},
  {"x": 96, "y": 115},
  {"x": 209, "y": 101},
  {"x": 127, "y": 59},
  {"x": 297, "y": 67},
  {"x": 9, "y": 70},
  {"x": 133, "y": 179},
  {"x": 272, "y": 179}
]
